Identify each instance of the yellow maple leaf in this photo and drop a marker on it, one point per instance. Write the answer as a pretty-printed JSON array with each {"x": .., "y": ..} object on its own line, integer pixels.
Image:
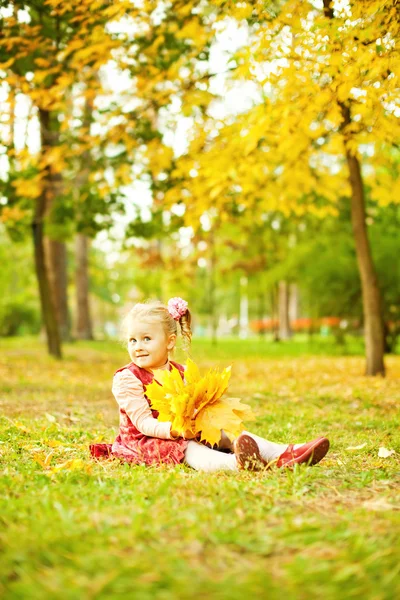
[
  {"x": 21, "y": 427},
  {"x": 221, "y": 415},
  {"x": 74, "y": 464},
  {"x": 192, "y": 372},
  {"x": 196, "y": 404}
]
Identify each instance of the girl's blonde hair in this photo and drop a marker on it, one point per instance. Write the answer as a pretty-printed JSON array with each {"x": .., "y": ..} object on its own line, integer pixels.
[{"x": 156, "y": 311}]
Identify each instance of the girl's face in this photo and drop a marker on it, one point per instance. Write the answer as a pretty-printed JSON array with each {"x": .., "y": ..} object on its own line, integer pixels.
[{"x": 148, "y": 344}]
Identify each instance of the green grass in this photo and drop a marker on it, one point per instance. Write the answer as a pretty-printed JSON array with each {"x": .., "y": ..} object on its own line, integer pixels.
[
  {"x": 73, "y": 528},
  {"x": 299, "y": 345}
]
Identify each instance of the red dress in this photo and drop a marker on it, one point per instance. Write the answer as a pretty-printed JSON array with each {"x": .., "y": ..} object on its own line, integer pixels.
[{"x": 133, "y": 446}]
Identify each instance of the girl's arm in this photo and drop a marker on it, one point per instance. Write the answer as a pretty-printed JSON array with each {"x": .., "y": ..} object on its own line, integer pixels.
[{"x": 129, "y": 394}]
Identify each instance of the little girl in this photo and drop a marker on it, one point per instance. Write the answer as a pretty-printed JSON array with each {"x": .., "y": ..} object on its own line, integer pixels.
[{"x": 151, "y": 332}]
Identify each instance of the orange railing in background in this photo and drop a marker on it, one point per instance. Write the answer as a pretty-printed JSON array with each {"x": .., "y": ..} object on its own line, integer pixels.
[{"x": 303, "y": 324}]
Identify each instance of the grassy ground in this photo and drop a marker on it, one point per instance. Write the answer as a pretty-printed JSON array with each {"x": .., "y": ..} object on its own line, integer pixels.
[{"x": 72, "y": 528}]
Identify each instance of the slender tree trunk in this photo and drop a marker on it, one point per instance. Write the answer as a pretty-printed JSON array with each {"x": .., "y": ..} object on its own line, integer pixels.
[
  {"x": 274, "y": 313},
  {"x": 244, "y": 309},
  {"x": 83, "y": 326},
  {"x": 56, "y": 254},
  {"x": 56, "y": 262},
  {"x": 46, "y": 297},
  {"x": 284, "y": 323},
  {"x": 83, "y": 320},
  {"x": 261, "y": 313},
  {"x": 56, "y": 251},
  {"x": 46, "y": 301},
  {"x": 293, "y": 302},
  {"x": 371, "y": 296}
]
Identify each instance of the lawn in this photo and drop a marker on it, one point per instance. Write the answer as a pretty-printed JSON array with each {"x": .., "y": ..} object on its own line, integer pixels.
[{"x": 73, "y": 528}]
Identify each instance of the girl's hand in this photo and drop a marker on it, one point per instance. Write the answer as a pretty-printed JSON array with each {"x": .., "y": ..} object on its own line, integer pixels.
[
  {"x": 189, "y": 435},
  {"x": 186, "y": 435}
]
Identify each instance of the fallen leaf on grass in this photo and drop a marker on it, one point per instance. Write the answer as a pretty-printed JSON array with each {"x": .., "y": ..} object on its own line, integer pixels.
[
  {"x": 50, "y": 418},
  {"x": 385, "y": 453},
  {"x": 20, "y": 426},
  {"x": 71, "y": 418},
  {"x": 53, "y": 443},
  {"x": 356, "y": 447},
  {"x": 74, "y": 464},
  {"x": 44, "y": 460}
]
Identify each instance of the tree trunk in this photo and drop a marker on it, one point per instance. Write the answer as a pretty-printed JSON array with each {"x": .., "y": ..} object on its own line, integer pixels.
[
  {"x": 371, "y": 296},
  {"x": 293, "y": 302},
  {"x": 372, "y": 305},
  {"x": 244, "y": 309},
  {"x": 56, "y": 253},
  {"x": 261, "y": 313},
  {"x": 56, "y": 262},
  {"x": 275, "y": 313},
  {"x": 46, "y": 297},
  {"x": 83, "y": 321},
  {"x": 83, "y": 326},
  {"x": 284, "y": 323}
]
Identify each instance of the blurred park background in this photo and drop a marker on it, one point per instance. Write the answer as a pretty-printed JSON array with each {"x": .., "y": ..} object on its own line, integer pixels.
[
  {"x": 245, "y": 156},
  {"x": 242, "y": 155}
]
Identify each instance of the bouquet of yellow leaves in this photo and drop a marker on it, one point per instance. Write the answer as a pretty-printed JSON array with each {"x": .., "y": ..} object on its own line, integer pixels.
[{"x": 196, "y": 404}]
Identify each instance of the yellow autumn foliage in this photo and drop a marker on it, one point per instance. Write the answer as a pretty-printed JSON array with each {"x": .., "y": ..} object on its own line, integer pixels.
[{"x": 196, "y": 404}]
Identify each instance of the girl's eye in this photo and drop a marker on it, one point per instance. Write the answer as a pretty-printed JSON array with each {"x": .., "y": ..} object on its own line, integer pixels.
[
  {"x": 147, "y": 339},
  {"x": 132, "y": 340}
]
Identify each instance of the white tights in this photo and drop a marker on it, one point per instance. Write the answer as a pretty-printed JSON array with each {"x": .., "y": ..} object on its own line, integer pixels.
[{"x": 202, "y": 458}]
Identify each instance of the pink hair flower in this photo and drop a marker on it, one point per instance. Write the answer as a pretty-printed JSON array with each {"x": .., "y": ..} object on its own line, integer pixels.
[{"x": 177, "y": 307}]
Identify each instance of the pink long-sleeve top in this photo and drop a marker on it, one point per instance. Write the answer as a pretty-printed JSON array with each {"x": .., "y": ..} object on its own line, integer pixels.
[{"x": 128, "y": 391}]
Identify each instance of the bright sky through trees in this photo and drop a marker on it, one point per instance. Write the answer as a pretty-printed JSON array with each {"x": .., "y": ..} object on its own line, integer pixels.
[{"x": 176, "y": 127}]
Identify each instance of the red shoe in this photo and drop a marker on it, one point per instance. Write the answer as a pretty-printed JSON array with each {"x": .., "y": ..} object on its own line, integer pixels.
[
  {"x": 310, "y": 453},
  {"x": 248, "y": 454}
]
